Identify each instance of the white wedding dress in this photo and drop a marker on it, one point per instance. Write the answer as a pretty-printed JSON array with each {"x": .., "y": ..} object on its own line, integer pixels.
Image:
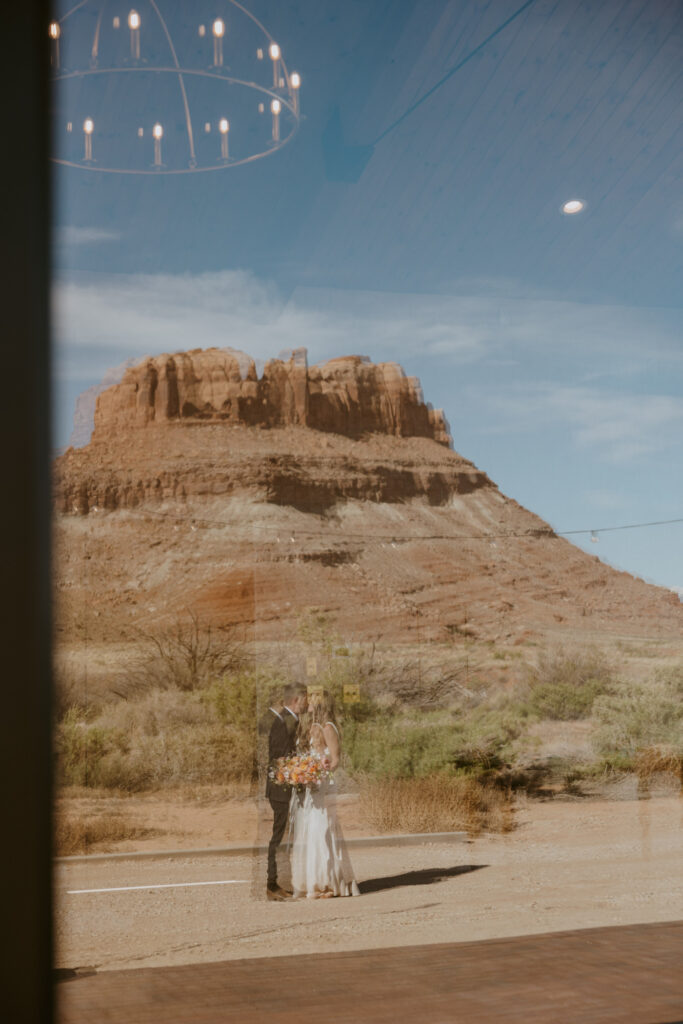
[{"x": 319, "y": 860}]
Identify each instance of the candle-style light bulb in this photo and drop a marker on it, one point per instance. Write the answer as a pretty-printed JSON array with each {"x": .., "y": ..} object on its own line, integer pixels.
[
  {"x": 218, "y": 29},
  {"x": 55, "y": 32},
  {"x": 157, "y": 134},
  {"x": 275, "y": 108},
  {"x": 224, "y": 129},
  {"x": 295, "y": 84},
  {"x": 88, "y": 129},
  {"x": 274, "y": 54},
  {"x": 134, "y": 26}
]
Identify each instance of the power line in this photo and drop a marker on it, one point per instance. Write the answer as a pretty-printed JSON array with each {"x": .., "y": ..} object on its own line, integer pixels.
[
  {"x": 392, "y": 537},
  {"x": 449, "y": 74},
  {"x": 628, "y": 526}
]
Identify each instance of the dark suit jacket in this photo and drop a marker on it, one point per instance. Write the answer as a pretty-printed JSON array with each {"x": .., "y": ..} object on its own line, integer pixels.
[{"x": 281, "y": 743}]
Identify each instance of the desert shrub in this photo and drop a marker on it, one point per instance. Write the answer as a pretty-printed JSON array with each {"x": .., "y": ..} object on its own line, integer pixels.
[
  {"x": 564, "y": 685},
  {"x": 83, "y": 747},
  {"x": 423, "y": 684},
  {"x": 391, "y": 679},
  {"x": 488, "y": 734},
  {"x": 565, "y": 702},
  {"x": 164, "y": 736},
  {"x": 238, "y": 698},
  {"x": 70, "y": 693},
  {"x": 399, "y": 748},
  {"x": 403, "y": 746},
  {"x": 188, "y": 655},
  {"x": 157, "y": 711},
  {"x": 203, "y": 753},
  {"x": 76, "y": 833},
  {"x": 435, "y": 803},
  {"x": 200, "y": 753},
  {"x": 606, "y": 767},
  {"x": 641, "y": 715}
]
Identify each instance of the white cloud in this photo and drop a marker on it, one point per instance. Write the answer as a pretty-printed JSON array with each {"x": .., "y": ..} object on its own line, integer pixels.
[
  {"x": 156, "y": 312},
  {"x": 620, "y": 427},
  {"x": 72, "y": 235},
  {"x": 149, "y": 313},
  {"x": 138, "y": 314},
  {"x": 628, "y": 424},
  {"x": 493, "y": 321}
]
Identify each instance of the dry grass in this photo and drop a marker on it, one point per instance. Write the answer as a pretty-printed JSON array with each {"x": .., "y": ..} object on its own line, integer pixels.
[
  {"x": 437, "y": 803},
  {"x": 653, "y": 761},
  {"x": 78, "y": 833}
]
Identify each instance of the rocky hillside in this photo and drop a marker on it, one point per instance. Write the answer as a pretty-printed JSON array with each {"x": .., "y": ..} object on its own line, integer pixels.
[{"x": 251, "y": 499}]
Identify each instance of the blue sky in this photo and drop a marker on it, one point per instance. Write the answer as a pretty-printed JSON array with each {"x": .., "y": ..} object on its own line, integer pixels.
[{"x": 553, "y": 343}]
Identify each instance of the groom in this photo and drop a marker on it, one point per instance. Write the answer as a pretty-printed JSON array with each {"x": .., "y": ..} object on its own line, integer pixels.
[{"x": 281, "y": 743}]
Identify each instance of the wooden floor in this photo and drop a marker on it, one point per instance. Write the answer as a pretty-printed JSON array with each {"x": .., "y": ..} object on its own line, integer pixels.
[{"x": 629, "y": 975}]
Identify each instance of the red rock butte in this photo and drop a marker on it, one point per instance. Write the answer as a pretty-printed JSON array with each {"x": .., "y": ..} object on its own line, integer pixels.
[
  {"x": 253, "y": 498},
  {"x": 349, "y": 396}
]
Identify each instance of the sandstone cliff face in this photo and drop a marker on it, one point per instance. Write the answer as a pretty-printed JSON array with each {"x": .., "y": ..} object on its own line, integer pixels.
[
  {"x": 289, "y": 466},
  {"x": 84, "y": 413},
  {"x": 348, "y": 396}
]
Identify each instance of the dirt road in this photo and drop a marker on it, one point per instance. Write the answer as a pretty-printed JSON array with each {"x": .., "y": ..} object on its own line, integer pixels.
[{"x": 567, "y": 865}]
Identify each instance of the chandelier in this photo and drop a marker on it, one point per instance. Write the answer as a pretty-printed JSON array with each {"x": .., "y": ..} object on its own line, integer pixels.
[{"x": 135, "y": 93}]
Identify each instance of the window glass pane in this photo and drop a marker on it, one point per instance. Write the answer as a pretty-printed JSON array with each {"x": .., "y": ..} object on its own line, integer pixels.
[{"x": 368, "y": 381}]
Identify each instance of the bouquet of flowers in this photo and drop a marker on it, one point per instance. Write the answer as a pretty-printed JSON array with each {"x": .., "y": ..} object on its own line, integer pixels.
[{"x": 299, "y": 770}]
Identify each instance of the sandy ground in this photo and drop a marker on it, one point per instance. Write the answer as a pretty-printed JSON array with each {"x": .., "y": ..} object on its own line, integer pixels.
[{"x": 568, "y": 864}]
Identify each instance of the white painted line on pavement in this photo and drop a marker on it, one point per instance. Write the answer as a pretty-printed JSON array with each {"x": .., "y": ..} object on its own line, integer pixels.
[{"x": 165, "y": 885}]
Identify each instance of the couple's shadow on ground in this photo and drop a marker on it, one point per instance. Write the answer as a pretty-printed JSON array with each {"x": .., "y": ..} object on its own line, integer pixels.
[{"x": 426, "y": 876}]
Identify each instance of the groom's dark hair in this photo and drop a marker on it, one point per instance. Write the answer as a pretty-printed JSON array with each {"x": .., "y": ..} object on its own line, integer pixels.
[{"x": 295, "y": 690}]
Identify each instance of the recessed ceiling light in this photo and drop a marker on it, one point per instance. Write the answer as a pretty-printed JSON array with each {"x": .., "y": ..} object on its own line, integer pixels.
[{"x": 573, "y": 206}]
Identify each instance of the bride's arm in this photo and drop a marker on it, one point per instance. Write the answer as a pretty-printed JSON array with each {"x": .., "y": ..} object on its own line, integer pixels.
[{"x": 332, "y": 742}]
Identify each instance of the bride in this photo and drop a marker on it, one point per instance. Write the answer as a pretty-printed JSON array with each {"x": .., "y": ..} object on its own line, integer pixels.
[{"x": 320, "y": 864}]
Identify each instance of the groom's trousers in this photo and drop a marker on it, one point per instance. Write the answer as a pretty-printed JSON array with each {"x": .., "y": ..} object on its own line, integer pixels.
[{"x": 280, "y": 815}]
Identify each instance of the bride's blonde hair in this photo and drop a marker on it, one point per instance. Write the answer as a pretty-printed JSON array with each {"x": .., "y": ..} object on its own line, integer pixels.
[{"x": 323, "y": 712}]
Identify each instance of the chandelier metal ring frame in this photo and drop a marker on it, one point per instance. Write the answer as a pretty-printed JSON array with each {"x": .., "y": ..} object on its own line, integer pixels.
[{"x": 283, "y": 95}]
